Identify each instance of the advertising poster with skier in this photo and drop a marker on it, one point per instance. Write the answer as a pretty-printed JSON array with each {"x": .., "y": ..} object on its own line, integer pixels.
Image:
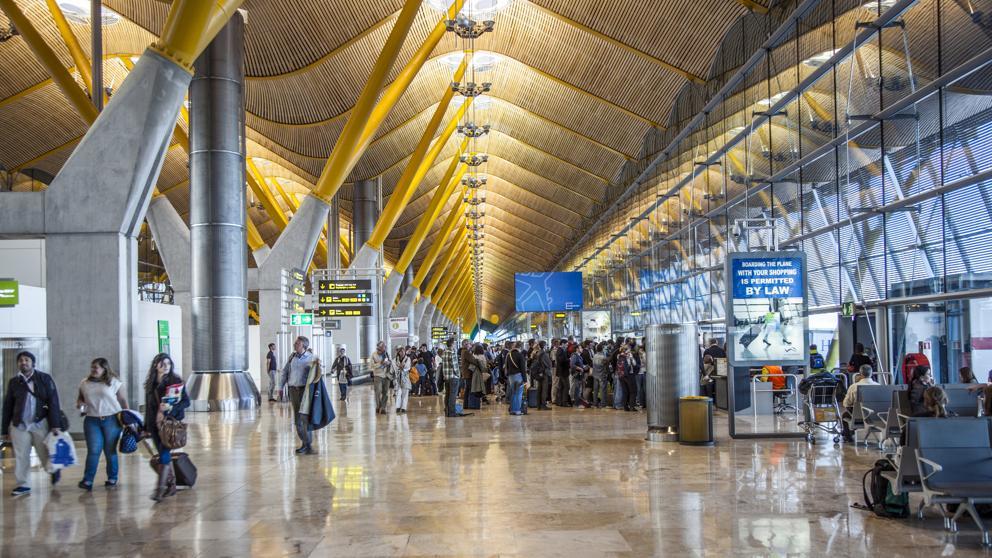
[{"x": 766, "y": 317}]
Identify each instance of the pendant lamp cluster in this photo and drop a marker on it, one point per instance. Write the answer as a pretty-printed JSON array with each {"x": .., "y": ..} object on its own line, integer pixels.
[{"x": 475, "y": 19}]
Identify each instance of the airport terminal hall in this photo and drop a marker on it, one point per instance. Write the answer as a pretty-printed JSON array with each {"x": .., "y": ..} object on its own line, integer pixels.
[{"x": 495, "y": 278}]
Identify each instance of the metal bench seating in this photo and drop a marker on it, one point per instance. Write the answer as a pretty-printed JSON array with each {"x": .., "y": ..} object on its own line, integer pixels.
[
  {"x": 871, "y": 413},
  {"x": 960, "y": 401},
  {"x": 955, "y": 463},
  {"x": 906, "y": 477}
]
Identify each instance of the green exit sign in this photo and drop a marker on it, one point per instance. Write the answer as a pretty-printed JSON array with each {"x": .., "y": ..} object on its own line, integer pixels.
[
  {"x": 9, "y": 292},
  {"x": 300, "y": 319}
]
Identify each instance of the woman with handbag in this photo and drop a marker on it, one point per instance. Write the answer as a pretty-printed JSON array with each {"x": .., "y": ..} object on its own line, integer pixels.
[
  {"x": 165, "y": 407},
  {"x": 401, "y": 378},
  {"x": 101, "y": 398}
]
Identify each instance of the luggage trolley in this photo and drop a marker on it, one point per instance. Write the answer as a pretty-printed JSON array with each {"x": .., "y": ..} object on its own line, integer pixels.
[{"x": 821, "y": 411}]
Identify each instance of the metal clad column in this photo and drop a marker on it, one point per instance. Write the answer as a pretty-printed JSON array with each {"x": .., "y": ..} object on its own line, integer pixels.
[
  {"x": 219, "y": 259},
  {"x": 672, "y": 372},
  {"x": 365, "y": 212}
]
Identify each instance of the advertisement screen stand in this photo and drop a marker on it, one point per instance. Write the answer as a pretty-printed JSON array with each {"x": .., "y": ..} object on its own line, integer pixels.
[{"x": 767, "y": 332}]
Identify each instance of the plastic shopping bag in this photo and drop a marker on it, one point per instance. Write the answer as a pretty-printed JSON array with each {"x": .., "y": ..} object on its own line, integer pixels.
[{"x": 61, "y": 451}]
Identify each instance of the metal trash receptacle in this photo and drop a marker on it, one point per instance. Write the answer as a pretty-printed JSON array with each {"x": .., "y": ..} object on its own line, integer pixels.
[{"x": 696, "y": 421}]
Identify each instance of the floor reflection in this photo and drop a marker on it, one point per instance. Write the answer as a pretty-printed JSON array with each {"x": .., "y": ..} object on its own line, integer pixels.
[{"x": 566, "y": 483}]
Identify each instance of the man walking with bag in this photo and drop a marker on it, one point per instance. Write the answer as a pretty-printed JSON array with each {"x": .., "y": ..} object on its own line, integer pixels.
[
  {"x": 31, "y": 404},
  {"x": 298, "y": 370}
]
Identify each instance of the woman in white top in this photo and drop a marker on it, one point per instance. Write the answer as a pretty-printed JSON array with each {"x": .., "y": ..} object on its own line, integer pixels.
[
  {"x": 401, "y": 376},
  {"x": 101, "y": 397}
]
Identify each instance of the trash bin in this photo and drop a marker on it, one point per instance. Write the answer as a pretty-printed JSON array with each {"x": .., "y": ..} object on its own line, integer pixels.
[{"x": 696, "y": 421}]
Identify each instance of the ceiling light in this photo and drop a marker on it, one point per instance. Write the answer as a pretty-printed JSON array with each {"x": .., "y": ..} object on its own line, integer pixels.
[
  {"x": 482, "y": 61},
  {"x": 818, "y": 60},
  {"x": 773, "y": 99},
  {"x": 78, "y": 11},
  {"x": 874, "y": 5},
  {"x": 474, "y": 159},
  {"x": 471, "y": 130},
  {"x": 475, "y": 8},
  {"x": 471, "y": 89}
]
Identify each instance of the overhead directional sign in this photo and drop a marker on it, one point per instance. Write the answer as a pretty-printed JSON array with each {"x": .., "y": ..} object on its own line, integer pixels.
[
  {"x": 9, "y": 292},
  {"x": 344, "y": 285},
  {"x": 333, "y": 299},
  {"x": 343, "y": 311}
]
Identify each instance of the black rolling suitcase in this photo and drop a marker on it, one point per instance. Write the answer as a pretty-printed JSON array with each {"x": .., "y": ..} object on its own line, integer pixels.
[{"x": 532, "y": 398}]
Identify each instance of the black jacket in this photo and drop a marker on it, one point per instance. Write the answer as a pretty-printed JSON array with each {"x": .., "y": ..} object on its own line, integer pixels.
[
  {"x": 46, "y": 406},
  {"x": 562, "y": 362},
  {"x": 153, "y": 398},
  {"x": 516, "y": 363}
]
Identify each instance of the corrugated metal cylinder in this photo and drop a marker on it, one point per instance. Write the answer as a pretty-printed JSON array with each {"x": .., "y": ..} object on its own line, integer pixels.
[
  {"x": 217, "y": 205},
  {"x": 672, "y": 372}
]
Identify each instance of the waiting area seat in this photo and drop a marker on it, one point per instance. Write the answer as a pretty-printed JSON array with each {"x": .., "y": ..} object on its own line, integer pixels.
[
  {"x": 870, "y": 417},
  {"x": 954, "y": 458}
]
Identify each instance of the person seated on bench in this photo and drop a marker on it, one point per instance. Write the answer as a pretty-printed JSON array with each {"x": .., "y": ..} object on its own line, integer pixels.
[
  {"x": 966, "y": 376},
  {"x": 934, "y": 403},
  {"x": 935, "y": 406},
  {"x": 862, "y": 378},
  {"x": 922, "y": 380}
]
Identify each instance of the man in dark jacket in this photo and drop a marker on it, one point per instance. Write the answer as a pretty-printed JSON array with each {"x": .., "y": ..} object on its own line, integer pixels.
[
  {"x": 31, "y": 405},
  {"x": 562, "y": 367},
  {"x": 427, "y": 385},
  {"x": 540, "y": 373}
]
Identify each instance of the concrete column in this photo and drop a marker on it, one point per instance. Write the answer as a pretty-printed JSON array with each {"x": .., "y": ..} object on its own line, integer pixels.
[
  {"x": 365, "y": 212},
  {"x": 219, "y": 260},
  {"x": 93, "y": 211},
  {"x": 172, "y": 239}
]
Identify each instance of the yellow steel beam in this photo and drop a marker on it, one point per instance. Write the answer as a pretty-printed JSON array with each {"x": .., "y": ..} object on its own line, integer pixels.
[
  {"x": 254, "y": 238},
  {"x": 47, "y": 57},
  {"x": 257, "y": 184},
  {"x": 450, "y": 277},
  {"x": 349, "y": 142},
  {"x": 622, "y": 46},
  {"x": 457, "y": 242},
  {"x": 420, "y": 162},
  {"x": 753, "y": 6},
  {"x": 452, "y": 177},
  {"x": 72, "y": 43},
  {"x": 454, "y": 217},
  {"x": 291, "y": 202},
  {"x": 190, "y": 26}
]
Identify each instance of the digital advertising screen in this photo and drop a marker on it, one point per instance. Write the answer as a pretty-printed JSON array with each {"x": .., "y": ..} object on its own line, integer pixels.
[
  {"x": 596, "y": 325},
  {"x": 766, "y": 318},
  {"x": 549, "y": 291}
]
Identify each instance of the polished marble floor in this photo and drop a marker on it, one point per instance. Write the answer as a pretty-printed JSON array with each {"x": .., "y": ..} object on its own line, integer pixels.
[{"x": 567, "y": 482}]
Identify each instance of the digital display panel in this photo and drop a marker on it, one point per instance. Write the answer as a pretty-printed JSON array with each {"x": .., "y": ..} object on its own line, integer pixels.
[
  {"x": 343, "y": 311},
  {"x": 344, "y": 285},
  {"x": 549, "y": 292}
]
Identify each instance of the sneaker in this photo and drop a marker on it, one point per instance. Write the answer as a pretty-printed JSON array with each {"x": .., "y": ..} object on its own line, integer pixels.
[
  {"x": 20, "y": 491},
  {"x": 110, "y": 484},
  {"x": 301, "y": 450},
  {"x": 56, "y": 477},
  {"x": 85, "y": 486},
  {"x": 309, "y": 451}
]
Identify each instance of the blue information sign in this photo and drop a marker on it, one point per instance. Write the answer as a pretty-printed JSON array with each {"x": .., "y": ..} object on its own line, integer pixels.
[{"x": 766, "y": 308}]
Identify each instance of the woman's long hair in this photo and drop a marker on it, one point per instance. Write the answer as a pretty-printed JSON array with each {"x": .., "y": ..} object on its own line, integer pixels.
[
  {"x": 108, "y": 373},
  {"x": 918, "y": 373},
  {"x": 152, "y": 379},
  {"x": 935, "y": 401}
]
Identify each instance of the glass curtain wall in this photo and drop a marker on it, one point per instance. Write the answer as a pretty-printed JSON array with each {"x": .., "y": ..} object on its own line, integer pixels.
[{"x": 865, "y": 135}]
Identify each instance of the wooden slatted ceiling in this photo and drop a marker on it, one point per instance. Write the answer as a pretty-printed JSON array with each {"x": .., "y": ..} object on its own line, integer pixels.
[
  {"x": 562, "y": 126},
  {"x": 513, "y": 82}
]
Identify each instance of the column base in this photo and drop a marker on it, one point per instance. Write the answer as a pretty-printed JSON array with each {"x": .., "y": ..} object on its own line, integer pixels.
[
  {"x": 222, "y": 391},
  {"x": 662, "y": 434}
]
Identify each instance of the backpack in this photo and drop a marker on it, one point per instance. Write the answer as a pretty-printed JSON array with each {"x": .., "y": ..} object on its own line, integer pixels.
[
  {"x": 879, "y": 497},
  {"x": 816, "y": 362}
]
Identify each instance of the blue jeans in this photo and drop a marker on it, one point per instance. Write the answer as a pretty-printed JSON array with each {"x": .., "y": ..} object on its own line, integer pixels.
[
  {"x": 514, "y": 391},
  {"x": 578, "y": 383},
  {"x": 343, "y": 386},
  {"x": 617, "y": 393},
  {"x": 102, "y": 435},
  {"x": 164, "y": 453}
]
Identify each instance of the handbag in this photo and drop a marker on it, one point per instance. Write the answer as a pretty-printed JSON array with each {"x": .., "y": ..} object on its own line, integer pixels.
[{"x": 171, "y": 432}]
